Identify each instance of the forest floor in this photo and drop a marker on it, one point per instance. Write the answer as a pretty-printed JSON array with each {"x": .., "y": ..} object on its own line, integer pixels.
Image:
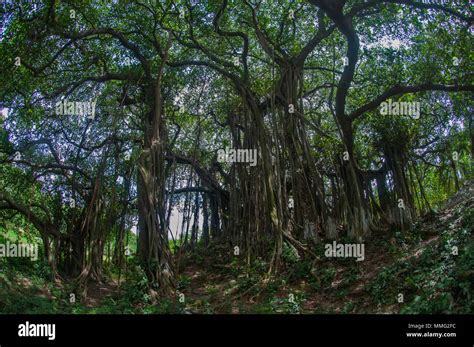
[
  {"x": 427, "y": 269},
  {"x": 420, "y": 264}
]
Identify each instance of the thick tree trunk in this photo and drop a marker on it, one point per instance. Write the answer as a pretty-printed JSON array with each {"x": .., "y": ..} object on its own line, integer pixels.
[
  {"x": 215, "y": 220},
  {"x": 195, "y": 227},
  {"x": 78, "y": 252},
  {"x": 153, "y": 247},
  {"x": 358, "y": 217},
  {"x": 403, "y": 207},
  {"x": 307, "y": 187},
  {"x": 153, "y": 242},
  {"x": 50, "y": 257},
  {"x": 269, "y": 198}
]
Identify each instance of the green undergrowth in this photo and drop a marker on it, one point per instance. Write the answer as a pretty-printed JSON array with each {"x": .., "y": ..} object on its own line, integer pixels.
[
  {"x": 434, "y": 279},
  {"x": 431, "y": 266}
]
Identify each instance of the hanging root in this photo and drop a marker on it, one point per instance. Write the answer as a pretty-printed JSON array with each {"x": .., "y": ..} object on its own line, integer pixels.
[{"x": 298, "y": 245}]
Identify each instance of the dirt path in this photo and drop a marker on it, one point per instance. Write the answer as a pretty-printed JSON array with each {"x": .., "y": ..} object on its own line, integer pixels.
[{"x": 98, "y": 292}]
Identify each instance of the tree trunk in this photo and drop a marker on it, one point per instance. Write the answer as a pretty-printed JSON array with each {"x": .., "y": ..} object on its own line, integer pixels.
[
  {"x": 153, "y": 247},
  {"x": 205, "y": 225}
]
